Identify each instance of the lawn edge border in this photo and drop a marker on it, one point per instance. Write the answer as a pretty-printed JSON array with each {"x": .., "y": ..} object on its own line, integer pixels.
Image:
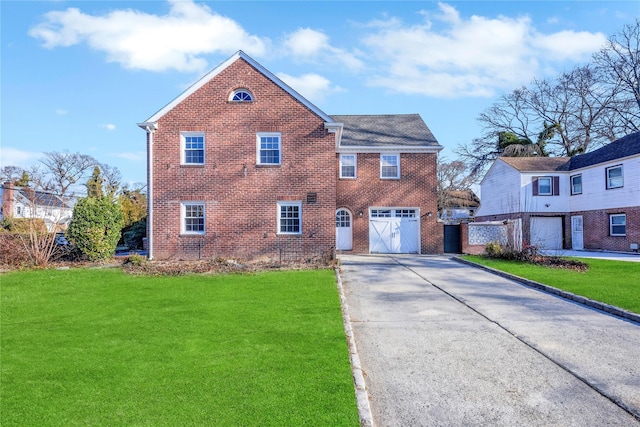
[
  {"x": 607, "y": 308},
  {"x": 362, "y": 396}
]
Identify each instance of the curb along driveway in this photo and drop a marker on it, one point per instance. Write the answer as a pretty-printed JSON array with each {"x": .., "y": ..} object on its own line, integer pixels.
[{"x": 446, "y": 344}]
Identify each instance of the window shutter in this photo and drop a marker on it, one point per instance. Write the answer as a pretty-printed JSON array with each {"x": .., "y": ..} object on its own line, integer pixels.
[
  {"x": 556, "y": 185},
  {"x": 535, "y": 185}
]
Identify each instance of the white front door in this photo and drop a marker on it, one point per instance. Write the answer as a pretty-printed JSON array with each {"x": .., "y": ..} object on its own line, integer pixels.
[
  {"x": 577, "y": 240},
  {"x": 344, "y": 239},
  {"x": 394, "y": 231}
]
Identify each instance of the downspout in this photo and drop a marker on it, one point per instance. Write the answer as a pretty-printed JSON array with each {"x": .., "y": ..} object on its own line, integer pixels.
[{"x": 150, "y": 128}]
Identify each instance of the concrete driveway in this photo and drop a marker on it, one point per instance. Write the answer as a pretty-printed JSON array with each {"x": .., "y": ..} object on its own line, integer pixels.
[{"x": 441, "y": 343}]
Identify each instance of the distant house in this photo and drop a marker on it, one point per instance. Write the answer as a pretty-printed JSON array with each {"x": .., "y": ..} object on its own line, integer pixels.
[
  {"x": 241, "y": 165},
  {"x": 25, "y": 202},
  {"x": 590, "y": 201},
  {"x": 456, "y": 206}
]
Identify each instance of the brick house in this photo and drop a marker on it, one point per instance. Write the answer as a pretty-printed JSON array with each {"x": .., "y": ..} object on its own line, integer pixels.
[
  {"x": 590, "y": 201},
  {"x": 241, "y": 165}
]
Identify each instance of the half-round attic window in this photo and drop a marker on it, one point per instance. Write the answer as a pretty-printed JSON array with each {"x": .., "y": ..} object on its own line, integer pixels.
[{"x": 241, "y": 95}]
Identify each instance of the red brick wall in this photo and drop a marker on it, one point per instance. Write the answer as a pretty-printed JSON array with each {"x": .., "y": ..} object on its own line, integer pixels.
[
  {"x": 596, "y": 229},
  {"x": 241, "y": 210},
  {"x": 415, "y": 188}
]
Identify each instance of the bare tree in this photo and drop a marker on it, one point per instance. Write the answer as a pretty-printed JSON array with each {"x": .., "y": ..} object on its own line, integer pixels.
[
  {"x": 60, "y": 172},
  {"x": 619, "y": 63},
  {"x": 452, "y": 176}
]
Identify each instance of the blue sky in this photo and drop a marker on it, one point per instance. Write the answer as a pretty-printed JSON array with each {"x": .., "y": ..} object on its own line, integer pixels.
[{"x": 78, "y": 75}]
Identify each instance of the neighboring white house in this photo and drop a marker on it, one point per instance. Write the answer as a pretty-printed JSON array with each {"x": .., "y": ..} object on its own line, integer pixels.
[
  {"x": 591, "y": 201},
  {"x": 24, "y": 202},
  {"x": 458, "y": 206}
]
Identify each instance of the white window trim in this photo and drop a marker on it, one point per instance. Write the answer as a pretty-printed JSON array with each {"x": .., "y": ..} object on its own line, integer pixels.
[
  {"x": 609, "y": 186},
  {"x": 355, "y": 166},
  {"x": 397, "y": 155},
  {"x": 550, "y": 193},
  {"x": 574, "y": 193},
  {"x": 262, "y": 134},
  {"x": 183, "y": 147},
  {"x": 233, "y": 94},
  {"x": 289, "y": 203},
  {"x": 611, "y": 216},
  {"x": 183, "y": 213}
]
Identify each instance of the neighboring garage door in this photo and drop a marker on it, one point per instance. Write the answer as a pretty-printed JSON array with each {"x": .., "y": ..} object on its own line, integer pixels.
[
  {"x": 394, "y": 231},
  {"x": 546, "y": 232}
]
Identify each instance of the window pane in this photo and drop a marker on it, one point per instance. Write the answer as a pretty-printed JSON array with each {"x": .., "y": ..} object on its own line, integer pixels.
[
  {"x": 347, "y": 166},
  {"x": 194, "y": 149},
  {"x": 269, "y": 149},
  {"x": 615, "y": 177},
  {"x": 389, "y": 166},
  {"x": 289, "y": 219},
  {"x": 544, "y": 186},
  {"x": 194, "y": 218},
  {"x": 576, "y": 184}
]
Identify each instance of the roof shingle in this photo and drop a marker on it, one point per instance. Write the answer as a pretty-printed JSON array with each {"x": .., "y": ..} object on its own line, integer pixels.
[{"x": 402, "y": 130}]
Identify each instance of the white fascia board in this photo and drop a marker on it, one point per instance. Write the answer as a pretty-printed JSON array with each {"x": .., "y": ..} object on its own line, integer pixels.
[
  {"x": 388, "y": 149},
  {"x": 213, "y": 73},
  {"x": 337, "y": 129}
]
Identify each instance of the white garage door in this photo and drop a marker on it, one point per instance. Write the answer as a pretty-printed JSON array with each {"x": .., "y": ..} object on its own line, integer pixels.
[
  {"x": 394, "y": 231},
  {"x": 546, "y": 232}
]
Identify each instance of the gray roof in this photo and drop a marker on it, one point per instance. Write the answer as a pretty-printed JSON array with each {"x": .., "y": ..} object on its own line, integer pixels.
[
  {"x": 624, "y": 147},
  {"x": 536, "y": 164},
  {"x": 385, "y": 130}
]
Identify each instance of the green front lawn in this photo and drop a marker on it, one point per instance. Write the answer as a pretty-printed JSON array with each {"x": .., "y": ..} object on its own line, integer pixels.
[
  {"x": 613, "y": 282},
  {"x": 100, "y": 347}
]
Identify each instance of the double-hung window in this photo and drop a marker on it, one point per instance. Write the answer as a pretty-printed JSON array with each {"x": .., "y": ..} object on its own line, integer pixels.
[
  {"x": 390, "y": 166},
  {"x": 614, "y": 177},
  {"x": 268, "y": 148},
  {"x": 192, "y": 148},
  {"x": 347, "y": 165},
  {"x": 289, "y": 217},
  {"x": 193, "y": 216},
  {"x": 546, "y": 185},
  {"x": 576, "y": 184},
  {"x": 618, "y": 225}
]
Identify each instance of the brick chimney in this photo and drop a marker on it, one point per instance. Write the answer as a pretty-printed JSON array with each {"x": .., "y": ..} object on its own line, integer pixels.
[{"x": 7, "y": 199}]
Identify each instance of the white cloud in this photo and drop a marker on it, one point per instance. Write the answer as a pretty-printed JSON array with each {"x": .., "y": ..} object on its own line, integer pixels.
[
  {"x": 61, "y": 112},
  {"x": 474, "y": 56},
  {"x": 312, "y": 86},
  {"x": 10, "y": 156},
  {"x": 313, "y": 46},
  {"x": 138, "y": 40},
  {"x": 109, "y": 126}
]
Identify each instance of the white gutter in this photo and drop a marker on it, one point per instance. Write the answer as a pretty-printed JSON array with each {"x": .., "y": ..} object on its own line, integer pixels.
[{"x": 150, "y": 127}]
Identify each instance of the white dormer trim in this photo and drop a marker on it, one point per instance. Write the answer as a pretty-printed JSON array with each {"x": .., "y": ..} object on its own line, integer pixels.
[{"x": 220, "y": 68}]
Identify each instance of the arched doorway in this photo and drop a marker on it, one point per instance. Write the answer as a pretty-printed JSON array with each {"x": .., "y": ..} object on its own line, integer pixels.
[{"x": 344, "y": 237}]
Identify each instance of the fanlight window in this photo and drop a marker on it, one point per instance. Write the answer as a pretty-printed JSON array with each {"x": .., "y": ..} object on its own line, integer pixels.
[{"x": 241, "y": 95}]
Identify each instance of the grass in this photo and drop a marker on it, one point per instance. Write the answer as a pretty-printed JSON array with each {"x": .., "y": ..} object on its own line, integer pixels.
[
  {"x": 613, "y": 282},
  {"x": 99, "y": 347}
]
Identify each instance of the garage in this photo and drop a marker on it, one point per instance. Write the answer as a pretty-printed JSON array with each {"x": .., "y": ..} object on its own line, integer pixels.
[
  {"x": 546, "y": 232},
  {"x": 394, "y": 230}
]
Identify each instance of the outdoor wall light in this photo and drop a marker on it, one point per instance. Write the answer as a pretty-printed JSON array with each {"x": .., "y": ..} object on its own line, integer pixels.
[{"x": 360, "y": 213}]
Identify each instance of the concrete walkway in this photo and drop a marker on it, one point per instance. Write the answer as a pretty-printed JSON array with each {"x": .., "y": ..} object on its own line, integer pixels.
[{"x": 445, "y": 344}]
